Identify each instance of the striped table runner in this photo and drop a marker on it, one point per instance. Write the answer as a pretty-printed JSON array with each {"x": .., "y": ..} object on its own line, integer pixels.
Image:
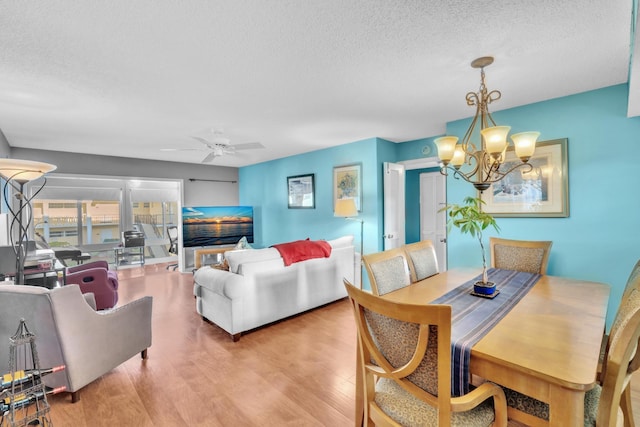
[{"x": 472, "y": 317}]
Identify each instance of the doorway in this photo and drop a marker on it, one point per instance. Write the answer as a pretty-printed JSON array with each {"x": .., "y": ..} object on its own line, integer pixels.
[
  {"x": 433, "y": 221},
  {"x": 432, "y": 198}
]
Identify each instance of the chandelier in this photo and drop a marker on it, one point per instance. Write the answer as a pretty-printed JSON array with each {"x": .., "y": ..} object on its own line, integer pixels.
[{"x": 483, "y": 163}]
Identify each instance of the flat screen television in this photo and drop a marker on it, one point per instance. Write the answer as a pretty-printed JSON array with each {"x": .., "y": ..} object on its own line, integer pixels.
[{"x": 216, "y": 225}]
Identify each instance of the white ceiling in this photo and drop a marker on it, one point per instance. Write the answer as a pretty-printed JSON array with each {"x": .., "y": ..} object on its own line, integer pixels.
[{"x": 128, "y": 78}]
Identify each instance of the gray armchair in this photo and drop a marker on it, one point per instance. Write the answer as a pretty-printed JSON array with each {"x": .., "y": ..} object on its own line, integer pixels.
[{"x": 69, "y": 331}]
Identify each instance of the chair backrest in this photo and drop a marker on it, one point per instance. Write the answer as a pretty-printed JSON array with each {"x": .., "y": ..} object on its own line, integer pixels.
[
  {"x": 70, "y": 332},
  {"x": 627, "y": 305},
  {"x": 422, "y": 260},
  {"x": 34, "y": 305},
  {"x": 531, "y": 256},
  {"x": 387, "y": 270},
  {"x": 410, "y": 344},
  {"x": 632, "y": 281},
  {"x": 622, "y": 358},
  {"x": 404, "y": 353}
]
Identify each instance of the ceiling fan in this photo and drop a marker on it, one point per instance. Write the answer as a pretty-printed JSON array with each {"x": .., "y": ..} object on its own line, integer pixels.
[{"x": 218, "y": 144}]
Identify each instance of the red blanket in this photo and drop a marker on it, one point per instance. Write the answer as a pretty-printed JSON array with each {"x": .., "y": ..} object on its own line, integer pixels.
[{"x": 301, "y": 250}]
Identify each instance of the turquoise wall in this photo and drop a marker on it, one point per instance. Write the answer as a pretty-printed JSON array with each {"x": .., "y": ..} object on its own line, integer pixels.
[
  {"x": 598, "y": 241},
  {"x": 264, "y": 186}
]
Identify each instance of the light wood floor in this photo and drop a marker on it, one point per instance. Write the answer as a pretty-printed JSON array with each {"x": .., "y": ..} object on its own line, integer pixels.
[{"x": 298, "y": 372}]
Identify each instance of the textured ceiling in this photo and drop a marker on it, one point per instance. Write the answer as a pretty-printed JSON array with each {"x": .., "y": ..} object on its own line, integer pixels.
[{"x": 131, "y": 78}]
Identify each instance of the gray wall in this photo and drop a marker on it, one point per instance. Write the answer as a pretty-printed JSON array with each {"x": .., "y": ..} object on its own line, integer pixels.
[
  {"x": 5, "y": 150},
  {"x": 196, "y": 193}
]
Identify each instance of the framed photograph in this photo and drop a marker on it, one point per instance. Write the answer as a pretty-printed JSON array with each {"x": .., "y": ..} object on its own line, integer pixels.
[
  {"x": 347, "y": 184},
  {"x": 301, "y": 190},
  {"x": 540, "y": 192}
]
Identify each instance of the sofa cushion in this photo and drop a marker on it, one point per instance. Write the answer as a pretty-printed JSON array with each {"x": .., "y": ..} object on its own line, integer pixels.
[
  {"x": 341, "y": 242},
  {"x": 236, "y": 258},
  {"x": 301, "y": 250}
]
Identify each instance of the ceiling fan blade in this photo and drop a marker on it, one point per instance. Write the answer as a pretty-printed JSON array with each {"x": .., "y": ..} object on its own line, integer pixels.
[
  {"x": 247, "y": 146},
  {"x": 209, "y": 157},
  {"x": 181, "y": 149},
  {"x": 204, "y": 141}
]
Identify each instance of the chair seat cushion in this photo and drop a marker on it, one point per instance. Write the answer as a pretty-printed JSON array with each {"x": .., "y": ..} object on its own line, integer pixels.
[
  {"x": 540, "y": 409},
  {"x": 408, "y": 410}
]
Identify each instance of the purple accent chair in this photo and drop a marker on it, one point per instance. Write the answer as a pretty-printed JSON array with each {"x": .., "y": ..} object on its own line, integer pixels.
[{"x": 96, "y": 277}]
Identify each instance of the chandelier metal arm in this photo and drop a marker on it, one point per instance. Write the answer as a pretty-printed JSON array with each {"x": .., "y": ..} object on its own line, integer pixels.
[{"x": 488, "y": 179}]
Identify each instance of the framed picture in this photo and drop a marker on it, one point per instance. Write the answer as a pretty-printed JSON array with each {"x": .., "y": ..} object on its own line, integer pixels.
[
  {"x": 540, "y": 192},
  {"x": 301, "y": 190},
  {"x": 347, "y": 184}
]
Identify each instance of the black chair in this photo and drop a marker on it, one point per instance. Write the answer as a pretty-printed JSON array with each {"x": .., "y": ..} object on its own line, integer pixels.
[{"x": 172, "y": 232}]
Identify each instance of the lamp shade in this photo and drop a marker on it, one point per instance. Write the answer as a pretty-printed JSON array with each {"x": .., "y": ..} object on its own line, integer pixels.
[
  {"x": 23, "y": 170},
  {"x": 495, "y": 138},
  {"x": 446, "y": 147},
  {"x": 459, "y": 156},
  {"x": 345, "y": 208},
  {"x": 525, "y": 143}
]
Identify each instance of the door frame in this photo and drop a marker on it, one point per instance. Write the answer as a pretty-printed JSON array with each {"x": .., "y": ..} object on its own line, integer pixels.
[{"x": 425, "y": 163}]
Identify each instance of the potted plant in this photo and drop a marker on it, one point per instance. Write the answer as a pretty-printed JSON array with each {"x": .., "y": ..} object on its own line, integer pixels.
[{"x": 470, "y": 219}]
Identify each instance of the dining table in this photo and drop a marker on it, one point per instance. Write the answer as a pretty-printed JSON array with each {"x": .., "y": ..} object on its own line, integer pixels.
[{"x": 546, "y": 347}]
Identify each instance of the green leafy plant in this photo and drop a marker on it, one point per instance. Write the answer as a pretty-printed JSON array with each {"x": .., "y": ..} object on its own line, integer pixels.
[{"x": 470, "y": 219}]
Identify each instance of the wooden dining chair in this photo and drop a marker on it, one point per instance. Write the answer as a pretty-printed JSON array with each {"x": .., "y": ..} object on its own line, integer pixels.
[
  {"x": 387, "y": 270},
  {"x": 405, "y": 357},
  {"x": 531, "y": 256},
  {"x": 422, "y": 260},
  {"x": 609, "y": 402},
  {"x": 633, "y": 283},
  {"x": 633, "y": 280}
]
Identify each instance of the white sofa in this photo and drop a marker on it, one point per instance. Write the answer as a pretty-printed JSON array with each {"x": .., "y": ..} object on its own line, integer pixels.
[{"x": 259, "y": 289}]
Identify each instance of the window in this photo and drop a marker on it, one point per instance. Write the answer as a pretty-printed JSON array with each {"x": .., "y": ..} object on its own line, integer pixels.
[
  {"x": 74, "y": 223},
  {"x": 155, "y": 207},
  {"x": 92, "y": 213}
]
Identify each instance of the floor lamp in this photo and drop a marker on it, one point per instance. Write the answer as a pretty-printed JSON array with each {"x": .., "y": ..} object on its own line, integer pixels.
[
  {"x": 16, "y": 174},
  {"x": 347, "y": 209}
]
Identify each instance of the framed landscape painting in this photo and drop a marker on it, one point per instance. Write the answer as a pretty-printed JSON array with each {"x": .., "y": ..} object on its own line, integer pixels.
[{"x": 540, "y": 192}]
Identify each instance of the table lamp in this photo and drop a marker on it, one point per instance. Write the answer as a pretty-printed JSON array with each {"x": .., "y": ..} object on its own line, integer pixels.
[{"x": 16, "y": 174}]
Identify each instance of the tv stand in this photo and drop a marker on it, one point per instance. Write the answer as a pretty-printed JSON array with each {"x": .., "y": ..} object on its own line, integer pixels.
[{"x": 208, "y": 256}]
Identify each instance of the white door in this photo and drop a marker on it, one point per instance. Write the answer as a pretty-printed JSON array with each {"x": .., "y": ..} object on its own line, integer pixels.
[
  {"x": 394, "y": 220},
  {"x": 433, "y": 224}
]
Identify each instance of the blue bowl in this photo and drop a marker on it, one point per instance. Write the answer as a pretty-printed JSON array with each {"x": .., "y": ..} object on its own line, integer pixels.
[{"x": 484, "y": 288}]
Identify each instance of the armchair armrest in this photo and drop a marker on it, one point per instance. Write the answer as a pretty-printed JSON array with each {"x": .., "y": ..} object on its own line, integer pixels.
[
  {"x": 479, "y": 395},
  {"x": 94, "y": 342},
  {"x": 90, "y": 298}
]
